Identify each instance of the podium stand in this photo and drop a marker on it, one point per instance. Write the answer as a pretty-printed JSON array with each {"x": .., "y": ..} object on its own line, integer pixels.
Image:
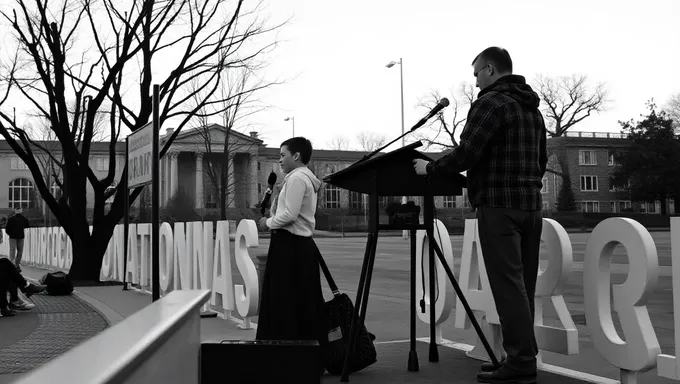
[{"x": 392, "y": 174}]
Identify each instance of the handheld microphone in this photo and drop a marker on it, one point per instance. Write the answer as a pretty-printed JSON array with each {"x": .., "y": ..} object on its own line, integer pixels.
[
  {"x": 443, "y": 103},
  {"x": 266, "y": 199}
]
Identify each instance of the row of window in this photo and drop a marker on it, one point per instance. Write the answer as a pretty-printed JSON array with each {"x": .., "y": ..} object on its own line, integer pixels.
[
  {"x": 101, "y": 163},
  {"x": 589, "y": 157},
  {"x": 623, "y": 206},
  {"x": 22, "y": 193},
  {"x": 588, "y": 183}
]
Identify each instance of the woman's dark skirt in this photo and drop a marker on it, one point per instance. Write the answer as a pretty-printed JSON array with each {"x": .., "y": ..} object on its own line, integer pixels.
[{"x": 291, "y": 297}]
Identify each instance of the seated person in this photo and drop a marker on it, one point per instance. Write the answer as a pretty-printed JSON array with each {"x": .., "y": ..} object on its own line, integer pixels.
[{"x": 11, "y": 280}]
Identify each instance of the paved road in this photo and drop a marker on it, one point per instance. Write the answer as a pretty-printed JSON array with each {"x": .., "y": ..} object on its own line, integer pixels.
[{"x": 388, "y": 305}]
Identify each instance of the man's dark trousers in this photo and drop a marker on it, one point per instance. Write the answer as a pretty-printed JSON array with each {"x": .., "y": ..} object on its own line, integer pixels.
[{"x": 511, "y": 241}]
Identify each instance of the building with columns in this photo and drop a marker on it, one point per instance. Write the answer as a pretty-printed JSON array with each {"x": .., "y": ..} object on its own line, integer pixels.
[{"x": 196, "y": 157}]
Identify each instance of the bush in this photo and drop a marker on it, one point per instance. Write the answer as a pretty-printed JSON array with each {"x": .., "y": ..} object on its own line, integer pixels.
[{"x": 180, "y": 208}]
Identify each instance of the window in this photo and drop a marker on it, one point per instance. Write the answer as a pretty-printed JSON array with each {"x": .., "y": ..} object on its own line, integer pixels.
[
  {"x": 612, "y": 161},
  {"x": 259, "y": 188},
  {"x": 589, "y": 206},
  {"x": 101, "y": 163},
  {"x": 56, "y": 191},
  {"x": 258, "y": 165},
  {"x": 20, "y": 193},
  {"x": 210, "y": 201},
  {"x": 449, "y": 201},
  {"x": 587, "y": 157},
  {"x": 544, "y": 188},
  {"x": 546, "y": 205},
  {"x": 619, "y": 206},
  {"x": 589, "y": 184},
  {"x": 356, "y": 201},
  {"x": 332, "y": 196},
  {"x": 17, "y": 163}
]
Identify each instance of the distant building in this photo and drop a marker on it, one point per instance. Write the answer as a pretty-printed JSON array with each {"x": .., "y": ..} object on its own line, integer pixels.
[
  {"x": 184, "y": 168},
  {"x": 590, "y": 160}
]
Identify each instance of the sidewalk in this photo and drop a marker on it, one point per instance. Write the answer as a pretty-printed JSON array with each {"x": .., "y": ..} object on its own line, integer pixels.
[{"x": 60, "y": 322}]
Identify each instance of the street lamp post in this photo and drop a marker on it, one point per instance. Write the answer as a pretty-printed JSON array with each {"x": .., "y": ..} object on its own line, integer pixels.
[
  {"x": 391, "y": 64},
  {"x": 293, "y": 120},
  {"x": 401, "y": 75}
]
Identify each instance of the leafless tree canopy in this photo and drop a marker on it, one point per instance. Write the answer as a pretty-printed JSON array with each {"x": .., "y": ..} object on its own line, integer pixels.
[
  {"x": 370, "y": 141},
  {"x": 238, "y": 101},
  {"x": 111, "y": 53},
  {"x": 441, "y": 131},
  {"x": 338, "y": 143},
  {"x": 672, "y": 108},
  {"x": 567, "y": 100}
]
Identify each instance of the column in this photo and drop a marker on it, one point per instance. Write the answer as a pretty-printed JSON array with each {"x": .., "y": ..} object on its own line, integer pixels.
[
  {"x": 231, "y": 188},
  {"x": 173, "y": 174},
  {"x": 254, "y": 178},
  {"x": 199, "y": 180}
]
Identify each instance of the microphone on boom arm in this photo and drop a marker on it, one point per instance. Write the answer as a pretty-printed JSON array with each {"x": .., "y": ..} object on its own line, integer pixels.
[
  {"x": 266, "y": 199},
  {"x": 443, "y": 103}
]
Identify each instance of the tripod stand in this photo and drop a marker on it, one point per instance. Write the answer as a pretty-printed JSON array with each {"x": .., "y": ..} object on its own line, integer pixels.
[{"x": 392, "y": 175}]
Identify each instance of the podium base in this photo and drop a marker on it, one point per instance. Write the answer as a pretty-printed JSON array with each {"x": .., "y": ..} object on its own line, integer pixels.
[{"x": 413, "y": 365}]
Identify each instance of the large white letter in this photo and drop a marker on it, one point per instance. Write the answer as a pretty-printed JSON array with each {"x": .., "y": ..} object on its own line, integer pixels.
[
  {"x": 202, "y": 255},
  {"x": 61, "y": 247},
  {"x": 472, "y": 270},
  {"x": 144, "y": 232},
  {"x": 639, "y": 350},
  {"x": 472, "y": 276},
  {"x": 132, "y": 256},
  {"x": 165, "y": 256},
  {"x": 222, "y": 281},
  {"x": 444, "y": 295},
  {"x": 247, "y": 300},
  {"x": 669, "y": 366},
  {"x": 182, "y": 248},
  {"x": 550, "y": 286}
]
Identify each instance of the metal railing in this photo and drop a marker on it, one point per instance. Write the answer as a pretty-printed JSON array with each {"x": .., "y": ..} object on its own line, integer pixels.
[{"x": 159, "y": 344}]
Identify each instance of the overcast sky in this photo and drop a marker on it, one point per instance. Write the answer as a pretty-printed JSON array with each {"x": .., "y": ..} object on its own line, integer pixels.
[
  {"x": 335, "y": 55},
  {"x": 339, "y": 50}
]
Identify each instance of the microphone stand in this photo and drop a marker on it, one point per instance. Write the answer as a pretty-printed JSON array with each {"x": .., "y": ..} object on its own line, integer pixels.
[{"x": 369, "y": 155}]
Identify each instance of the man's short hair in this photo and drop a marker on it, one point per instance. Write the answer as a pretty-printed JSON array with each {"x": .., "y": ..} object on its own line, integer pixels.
[
  {"x": 499, "y": 57},
  {"x": 300, "y": 145}
]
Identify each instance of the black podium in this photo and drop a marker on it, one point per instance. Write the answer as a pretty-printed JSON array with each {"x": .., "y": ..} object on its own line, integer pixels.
[{"x": 392, "y": 174}]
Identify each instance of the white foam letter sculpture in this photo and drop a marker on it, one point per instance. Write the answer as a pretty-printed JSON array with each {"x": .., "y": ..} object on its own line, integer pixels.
[
  {"x": 639, "y": 350},
  {"x": 472, "y": 273},
  {"x": 222, "y": 281},
  {"x": 669, "y": 366},
  {"x": 166, "y": 255},
  {"x": 549, "y": 286},
  {"x": 445, "y": 298},
  {"x": 247, "y": 299}
]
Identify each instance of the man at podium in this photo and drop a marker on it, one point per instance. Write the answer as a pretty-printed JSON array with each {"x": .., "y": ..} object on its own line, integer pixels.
[{"x": 503, "y": 149}]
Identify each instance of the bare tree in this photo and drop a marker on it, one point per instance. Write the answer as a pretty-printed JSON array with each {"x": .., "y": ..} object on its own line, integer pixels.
[
  {"x": 567, "y": 100},
  {"x": 672, "y": 109},
  {"x": 167, "y": 43},
  {"x": 237, "y": 102},
  {"x": 338, "y": 143},
  {"x": 370, "y": 141},
  {"x": 441, "y": 131}
]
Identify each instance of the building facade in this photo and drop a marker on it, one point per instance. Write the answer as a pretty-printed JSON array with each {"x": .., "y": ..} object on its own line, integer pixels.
[
  {"x": 590, "y": 161},
  {"x": 196, "y": 158}
]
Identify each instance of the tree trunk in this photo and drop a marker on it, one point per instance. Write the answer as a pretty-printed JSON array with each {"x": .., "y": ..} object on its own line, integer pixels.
[{"x": 88, "y": 253}]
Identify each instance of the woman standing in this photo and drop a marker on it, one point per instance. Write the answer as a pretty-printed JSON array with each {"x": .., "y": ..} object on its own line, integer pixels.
[{"x": 291, "y": 299}]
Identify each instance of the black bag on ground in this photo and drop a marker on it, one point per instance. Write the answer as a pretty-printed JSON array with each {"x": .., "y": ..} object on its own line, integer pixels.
[
  {"x": 58, "y": 283},
  {"x": 337, "y": 319}
]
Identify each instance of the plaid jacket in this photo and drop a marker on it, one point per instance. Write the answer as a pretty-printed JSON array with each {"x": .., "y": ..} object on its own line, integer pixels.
[{"x": 502, "y": 147}]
